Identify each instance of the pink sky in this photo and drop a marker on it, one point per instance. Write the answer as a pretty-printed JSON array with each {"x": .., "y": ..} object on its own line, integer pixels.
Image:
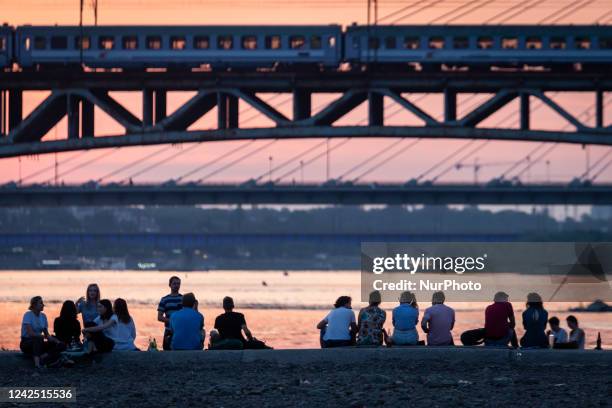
[{"x": 564, "y": 161}]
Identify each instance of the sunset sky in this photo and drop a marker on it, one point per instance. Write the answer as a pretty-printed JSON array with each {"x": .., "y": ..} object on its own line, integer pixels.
[{"x": 562, "y": 163}]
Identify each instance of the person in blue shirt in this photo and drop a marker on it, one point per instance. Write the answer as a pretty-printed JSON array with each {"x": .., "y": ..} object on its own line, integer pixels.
[
  {"x": 187, "y": 326},
  {"x": 405, "y": 319},
  {"x": 87, "y": 305}
]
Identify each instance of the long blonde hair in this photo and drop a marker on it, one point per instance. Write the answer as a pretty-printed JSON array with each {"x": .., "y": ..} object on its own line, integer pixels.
[{"x": 91, "y": 286}]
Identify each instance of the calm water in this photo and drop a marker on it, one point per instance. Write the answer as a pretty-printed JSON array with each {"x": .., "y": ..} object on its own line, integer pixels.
[{"x": 280, "y": 309}]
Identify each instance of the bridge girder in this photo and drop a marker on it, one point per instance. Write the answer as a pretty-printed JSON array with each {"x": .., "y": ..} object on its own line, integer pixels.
[{"x": 74, "y": 96}]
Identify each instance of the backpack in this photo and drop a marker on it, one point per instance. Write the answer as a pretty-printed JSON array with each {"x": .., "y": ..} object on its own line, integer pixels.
[{"x": 473, "y": 337}]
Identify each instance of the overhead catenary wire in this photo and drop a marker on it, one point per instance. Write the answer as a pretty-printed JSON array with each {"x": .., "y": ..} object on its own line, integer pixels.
[
  {"x": 292, "y": 159},
  {"x": 454, "y": 166},
  {"x": 386, "y": 160},
  {"x": 577, "y": 7},
  {"x": 52, "y": 166},
  {"x": 216, "y": 160},
  {"x": 465, "y": 5},
  {"x": 313, "y": 159},
  {"x": 133, "y": 164},
  {"x": 584, "y": 175},
  {"x": 156, "y": 164},
  {"x": 84, "y": 164},
  {"x": 370, "y": 158}
]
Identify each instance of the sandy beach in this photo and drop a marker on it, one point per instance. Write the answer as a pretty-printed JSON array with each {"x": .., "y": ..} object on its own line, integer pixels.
[{"x": 352, "y": 377}]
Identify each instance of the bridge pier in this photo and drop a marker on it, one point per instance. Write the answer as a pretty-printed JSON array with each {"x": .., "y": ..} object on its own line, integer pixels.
[{"x": 3, "y": 130}]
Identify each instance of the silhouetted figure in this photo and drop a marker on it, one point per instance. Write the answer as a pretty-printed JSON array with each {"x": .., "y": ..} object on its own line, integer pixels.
[{"x": 535, "y": 318}]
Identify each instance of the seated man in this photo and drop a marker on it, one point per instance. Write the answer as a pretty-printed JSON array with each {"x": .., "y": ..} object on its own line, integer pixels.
[
  {"x": 230, "y": 326},
  {"x": 187, "y": 326},
  {"x": 500, "y": 323}
]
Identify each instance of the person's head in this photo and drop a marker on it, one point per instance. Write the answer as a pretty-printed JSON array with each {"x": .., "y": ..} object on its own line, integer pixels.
[
  {"x": 92, "y": 294},
  {"x": 375, "y": 298},
  {"x": 228, "y": 304},
  {"x": 438, "y": 298},
  {"x": 69, "y": 310},
  {"x": 534, "y": 300},
  {"x": 175, "y": 284},
  {"x": 554, "y": 323},
  {"x": 408, "y": 298},
  {"x": 189, "y": 300},
  {"x": 572, "y": 322},
  {"x": 501, "y": 297},
  {"x": 105, "y": 309},
  {"x": 121, "y": 310},
  {"x": 343, "y": 301},
  {"x": 36, "y": 304}
]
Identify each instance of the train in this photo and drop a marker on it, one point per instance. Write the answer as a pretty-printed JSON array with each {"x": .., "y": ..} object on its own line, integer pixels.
[{"x": 324, "y": 47}]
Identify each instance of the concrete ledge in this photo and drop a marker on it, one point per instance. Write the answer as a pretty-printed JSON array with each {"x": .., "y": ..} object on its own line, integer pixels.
[{"x": 16, "y": 360}]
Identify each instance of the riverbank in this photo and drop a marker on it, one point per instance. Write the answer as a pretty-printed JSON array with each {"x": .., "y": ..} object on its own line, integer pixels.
[{"x": 357, "y": 377}]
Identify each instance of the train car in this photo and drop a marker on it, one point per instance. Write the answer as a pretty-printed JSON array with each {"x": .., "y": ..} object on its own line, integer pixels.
[
  {"x": 6, "y": 46},
  {"x": 139, "y": 47},
  {"x": 479, "y": 46}
]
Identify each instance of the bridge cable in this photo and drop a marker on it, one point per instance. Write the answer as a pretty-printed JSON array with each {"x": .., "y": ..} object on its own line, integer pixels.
[
  {"x": 417, "y": 11},
  {"x": 292, "y": 159},
  {"x": 401, "y": 10},
  {"x": 165, "y": 160},
  {"x": 386, "y": 160},
  {"x": 603, "y": 17},
  {"x": 467, "y": 12},
  {"x": 132, "y": 164},
  {"x": 507, "y": 10},
  {"x": 591, "y": 167},
  {"x": 52, "y": 166},
  {"x": 458, "y": 163},
  {"x": 518, "y": 162},
  {"x": 370, "y": 158},
  {"x": 453, "y": 11},
  {"x": 445, "y": 159},
  {"x": 348, "y": 139},
  {"x": 604, "y": 168},
  {"x": 84, "y": 164},
  {"x": 538, "y": 159},
  {"x": 574, "y": 9},
  {"x": 562, "y": 10},
  {"x": 236, "y": 161},
  {"x": 216, "y": 160}
]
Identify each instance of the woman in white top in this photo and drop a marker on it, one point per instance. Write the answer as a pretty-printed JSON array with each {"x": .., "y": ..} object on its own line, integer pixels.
[
  {"x": 124, "y": 331},
  {"x": 338, "y": 328},
  {"x": 35, "y": 338}
]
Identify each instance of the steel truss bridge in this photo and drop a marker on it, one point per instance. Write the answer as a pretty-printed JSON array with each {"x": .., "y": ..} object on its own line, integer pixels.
[
  {"x": 330, "y": 193},
  {"x": 74, "y": 95}
]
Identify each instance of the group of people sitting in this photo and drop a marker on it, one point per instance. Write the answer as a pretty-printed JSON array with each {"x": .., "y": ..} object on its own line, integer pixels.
[
  {"x": 108, "y": 326},
  {"x": 340, "y": 328}
]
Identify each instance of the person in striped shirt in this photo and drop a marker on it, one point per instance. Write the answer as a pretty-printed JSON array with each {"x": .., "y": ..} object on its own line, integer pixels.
[{"x": 168, "y": 305}]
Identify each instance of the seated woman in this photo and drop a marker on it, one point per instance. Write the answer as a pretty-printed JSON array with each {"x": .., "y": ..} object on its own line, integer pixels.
[
  {"x": 35, "y": 339},
  {"x": 338, "y": 328},
  {"x": 99, "y": 333},
  {"x": 370, "y": 322},
  {"x": 405, "y": 318},
  {"x": 535, "y": 319},
  {"x": 67, "y": 327},
  {"x": 124, "y": 332}
]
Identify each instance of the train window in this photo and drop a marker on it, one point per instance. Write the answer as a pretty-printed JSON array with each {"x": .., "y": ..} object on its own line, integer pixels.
[
  {"x": 315, "y": 42},
  {"x": 582, "y": 43},
  {"x": 390, "y": 43},
  {"x": 2, "y": 43},
  {"x": 605, "y": 43},
  {"x": 27, "y": 43},
  {"x": 86, "y": 43},
  {"x": 509, "y": 43},
  {"x": 331, "y": 41},
  {"x": 436, "y": 43},
  {"x": 106, "y": 43},
  {"x": 412, "y": 43},
  {"x": 373, "y": 43},
  {"x": 533, "y": 43},
  {"x": 59, "y": 42},
  {"x": 130, "y": 42},
  {"x": 40, "y": 43},
  {"x": 178, "y": 43},
  {"x": 297, "y": 41},
  {"x": 225, "y": 42},
  {"x": 273, "y": 42},
  {"x": 461, "y": 43},
  {"x": 201, "y": 42},
  {"x": 484, "y": 43},
  {"x": 249, "y": 42},
  {"x": 154, "y": 42},
  {"x": 557, "y": 43}
]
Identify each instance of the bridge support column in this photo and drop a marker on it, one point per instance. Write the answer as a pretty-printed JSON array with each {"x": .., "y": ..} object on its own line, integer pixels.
[
  {"x": 87, "y": 119},
  {"x": 450, "y": 105},
  {"x": 599, "y": 108},
  {"x": 147, "y": 108},
  {"x": 227, "y": 111},
  {"x": 2, "y": 113},
  {"x": 302, "y": 104},
  {"x": 525, "y": 111},
  {"x": 72, "y": 113},
  {"x": 160, "y": 105},
  {"x": 376, "y": 109},
  {"x": 15, "y": 108}
]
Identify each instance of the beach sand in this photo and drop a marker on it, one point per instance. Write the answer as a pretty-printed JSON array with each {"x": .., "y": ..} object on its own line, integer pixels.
[{"x": 416, "y": 377}]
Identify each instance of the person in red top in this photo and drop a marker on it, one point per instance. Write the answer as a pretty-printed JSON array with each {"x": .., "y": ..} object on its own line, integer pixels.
[{"x": 499, "y": 322}]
